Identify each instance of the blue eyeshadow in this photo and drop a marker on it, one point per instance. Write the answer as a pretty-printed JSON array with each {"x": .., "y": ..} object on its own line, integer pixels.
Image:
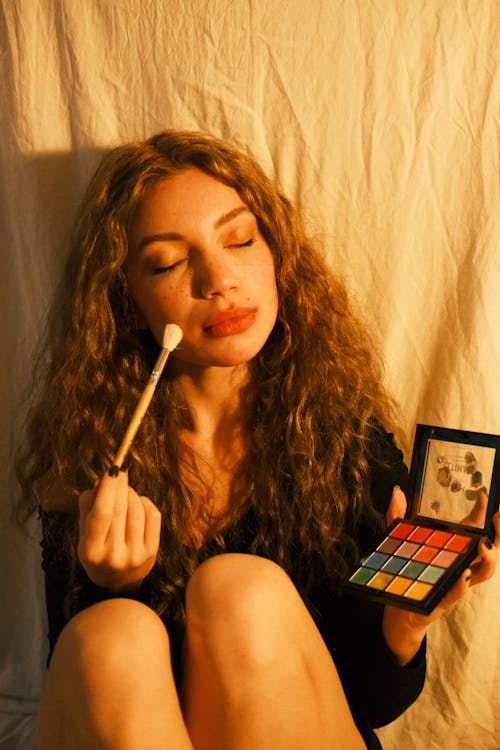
[
  {"x": 394, "y": 565},
  {"x": 376, "y": 560}
]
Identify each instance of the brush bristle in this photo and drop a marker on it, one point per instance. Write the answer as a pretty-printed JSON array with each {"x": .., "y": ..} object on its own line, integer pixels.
[{"x": 171, "y": 336}]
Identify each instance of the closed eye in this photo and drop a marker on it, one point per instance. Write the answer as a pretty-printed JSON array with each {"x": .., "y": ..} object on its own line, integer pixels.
[
  {"x": 165, "y": 269},
  {"x": 248, "y": 243}
]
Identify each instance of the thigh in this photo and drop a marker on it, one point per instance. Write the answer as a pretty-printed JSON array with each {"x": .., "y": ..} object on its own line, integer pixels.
[
  {"x": 110, "y": 680},
  {"x": 248, "y": 635}
]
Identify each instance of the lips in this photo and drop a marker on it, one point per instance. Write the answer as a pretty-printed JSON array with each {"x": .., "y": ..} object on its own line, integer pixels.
[{"x": 230, "y": 322}]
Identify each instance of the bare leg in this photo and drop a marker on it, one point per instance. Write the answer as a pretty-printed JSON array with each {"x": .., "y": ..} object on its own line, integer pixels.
[
  {"x": 110, "y": 684},
  {"x": 257, "y": 672}
]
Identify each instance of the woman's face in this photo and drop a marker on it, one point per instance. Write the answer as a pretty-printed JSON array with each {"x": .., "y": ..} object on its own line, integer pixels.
[{"x": 197, "y": 258}]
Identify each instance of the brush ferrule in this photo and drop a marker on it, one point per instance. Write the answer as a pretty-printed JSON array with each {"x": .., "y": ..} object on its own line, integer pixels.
[{"x": 158, "y": 366}]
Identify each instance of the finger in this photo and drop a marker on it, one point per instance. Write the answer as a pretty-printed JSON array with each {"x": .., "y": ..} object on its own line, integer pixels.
[
  {"x": 397, "y": 506},
  {"x": 117, "y": 528},
  {"x": 457, "y": 591},
  {"x": 99, "y": 518},
  {"x": 135, "y": 522},
  {"x": 152, "y": 529},
  {"x": 496, "y": 525},
  {"x": 484, "y": 565},
  {"x": 477, "y": 515}
]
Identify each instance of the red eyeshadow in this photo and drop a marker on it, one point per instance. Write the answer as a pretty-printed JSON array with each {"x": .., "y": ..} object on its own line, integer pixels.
[
  {"x": 439, "y": 538},
  {"x": 402, "y": 530},
  {"x": 458, "y": 543},
  {"x": 420, "y": 534},
  {"x": 425, "y": 554}
]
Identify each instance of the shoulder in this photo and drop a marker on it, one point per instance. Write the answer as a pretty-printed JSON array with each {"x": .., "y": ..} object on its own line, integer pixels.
[{"x": 386, "y": 465}]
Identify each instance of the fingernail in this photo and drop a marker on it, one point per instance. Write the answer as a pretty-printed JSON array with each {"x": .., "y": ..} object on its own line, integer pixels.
[
  {"x": 113, "y": 471},
  {"x": 468, "y": 576},
  {"x": 488, "y": 543},
  {"x": 397, "y": 487}
]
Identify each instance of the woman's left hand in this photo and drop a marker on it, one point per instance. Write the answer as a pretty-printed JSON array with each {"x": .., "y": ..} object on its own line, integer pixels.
[{"x": 403, "y": 630}]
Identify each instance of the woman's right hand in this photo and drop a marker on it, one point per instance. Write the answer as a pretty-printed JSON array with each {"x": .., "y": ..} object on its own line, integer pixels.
[{"x": 119, "y": 534}]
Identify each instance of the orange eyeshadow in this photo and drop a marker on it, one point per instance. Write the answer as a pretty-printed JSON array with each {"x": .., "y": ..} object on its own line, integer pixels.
[
  {"x": 425, "y": 554},
  {"x": 458, "y": 543},
  {"x": 418, "y": 590},
  {"x": 399, "y": 585},
  {"x": 402, "y": 530}
]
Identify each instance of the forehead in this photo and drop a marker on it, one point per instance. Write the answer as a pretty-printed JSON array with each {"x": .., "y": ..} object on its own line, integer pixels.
[{"x": 187, "y": 193}]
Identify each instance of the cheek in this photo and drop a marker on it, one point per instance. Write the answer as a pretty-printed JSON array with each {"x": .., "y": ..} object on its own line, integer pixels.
[
  {"x": 266, "y": 280},
  {"x": 167, "y": 299}
]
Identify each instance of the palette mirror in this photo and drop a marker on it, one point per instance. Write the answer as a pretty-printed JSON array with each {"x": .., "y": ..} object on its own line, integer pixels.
[
  {"x": 452, "y": 476},
  {"x": 453, "y": 495}
]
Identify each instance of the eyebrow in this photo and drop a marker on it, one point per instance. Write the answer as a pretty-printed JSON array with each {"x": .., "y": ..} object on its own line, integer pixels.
[{"x": 176, "y": 237}]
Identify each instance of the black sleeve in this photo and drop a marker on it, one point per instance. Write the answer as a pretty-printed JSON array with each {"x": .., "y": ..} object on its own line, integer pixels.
[{"x": 377, "y": 687}]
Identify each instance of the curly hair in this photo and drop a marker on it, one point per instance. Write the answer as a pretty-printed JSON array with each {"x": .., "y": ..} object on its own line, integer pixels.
[{"x": 316, "y": 386}]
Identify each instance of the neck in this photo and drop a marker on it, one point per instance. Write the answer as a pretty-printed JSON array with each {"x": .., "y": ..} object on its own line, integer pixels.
[
  {"x": 215, "y": 397},
  {"x": 215, "y": 443}
]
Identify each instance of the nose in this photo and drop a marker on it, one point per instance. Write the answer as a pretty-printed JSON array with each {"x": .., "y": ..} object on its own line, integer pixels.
[{"x": 215, "y": 275}]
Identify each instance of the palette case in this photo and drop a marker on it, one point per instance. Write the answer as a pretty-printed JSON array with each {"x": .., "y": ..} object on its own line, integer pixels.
[{"x": 453, "y": 495}]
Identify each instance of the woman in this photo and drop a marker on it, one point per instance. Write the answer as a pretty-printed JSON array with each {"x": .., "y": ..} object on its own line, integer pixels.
[{"x": 195, "y": 600}]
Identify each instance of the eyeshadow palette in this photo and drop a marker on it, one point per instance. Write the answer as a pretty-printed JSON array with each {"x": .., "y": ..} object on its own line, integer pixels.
[{"x": 452, "y": 498}]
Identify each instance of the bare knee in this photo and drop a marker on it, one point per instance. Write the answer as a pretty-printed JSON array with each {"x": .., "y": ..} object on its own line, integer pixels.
[
  {"x": 110, "y": 683},
  {"x": 111, "y": 637},
  {"x": 244, "y": 605},
  {"x": 239, "y": 584}
]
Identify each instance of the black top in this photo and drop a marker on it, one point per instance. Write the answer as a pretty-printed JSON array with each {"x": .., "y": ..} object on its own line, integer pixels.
[{"x": 377, "y": 688}]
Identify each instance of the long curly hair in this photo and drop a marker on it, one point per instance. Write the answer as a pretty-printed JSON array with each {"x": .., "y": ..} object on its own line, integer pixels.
[{"x": 315, "y": 395}]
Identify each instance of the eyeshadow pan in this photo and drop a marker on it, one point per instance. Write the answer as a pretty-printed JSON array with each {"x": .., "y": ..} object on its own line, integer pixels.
[
  {"x": 445, "y": 558},
  {"x": 375, "y": 560},
  {"x": 402, "y": 530},
  {"x": 425, "y": 554},
  {"x": 362, "y": 575},
  {"x": 399, "y": 585},
  {"x": 389, "y": 545},
  {"x": 394, "y": 564},
  {"x": 431, "y": 574},
  {"x": 407, "y": 549},
  {"x": 439, "y": 538},
  {"x": 418, "y": 590},
  {"x": 420, "y": 534},
  {"x": 380, "y": 581},
  {"x": 458, "y": 543},
  {"x": 413, "y": 569}
]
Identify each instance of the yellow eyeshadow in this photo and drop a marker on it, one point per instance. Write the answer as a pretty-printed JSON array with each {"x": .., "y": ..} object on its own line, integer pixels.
[
  {"x": 418, "y": 591},
  {"x": 380, "y": 581},
  {"x": 398, "y": 585}
]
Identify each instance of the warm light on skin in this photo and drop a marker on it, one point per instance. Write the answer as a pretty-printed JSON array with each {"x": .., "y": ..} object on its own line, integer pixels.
[{"x": 197, "y": 258}]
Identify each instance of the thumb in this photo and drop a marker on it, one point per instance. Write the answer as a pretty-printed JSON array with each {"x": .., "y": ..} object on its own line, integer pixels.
[{"x": 397, "y": 506}]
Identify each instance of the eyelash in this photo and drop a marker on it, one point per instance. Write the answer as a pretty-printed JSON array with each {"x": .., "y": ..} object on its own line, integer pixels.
[
  {"x": 166, "y": 269},
  {"x": 248, "y": 243}
]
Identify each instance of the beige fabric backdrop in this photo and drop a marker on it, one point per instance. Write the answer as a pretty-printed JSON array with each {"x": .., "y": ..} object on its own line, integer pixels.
[{"x": 381, "y": 119}]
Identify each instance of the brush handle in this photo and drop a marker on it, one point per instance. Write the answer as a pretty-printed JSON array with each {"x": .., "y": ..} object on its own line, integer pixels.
[
  {"x": 141, "y": 408},
  {"x": 134, "y": 424}
]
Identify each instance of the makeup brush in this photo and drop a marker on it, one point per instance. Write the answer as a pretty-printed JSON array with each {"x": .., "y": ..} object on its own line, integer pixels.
[{"x": 171, "y": 338}]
